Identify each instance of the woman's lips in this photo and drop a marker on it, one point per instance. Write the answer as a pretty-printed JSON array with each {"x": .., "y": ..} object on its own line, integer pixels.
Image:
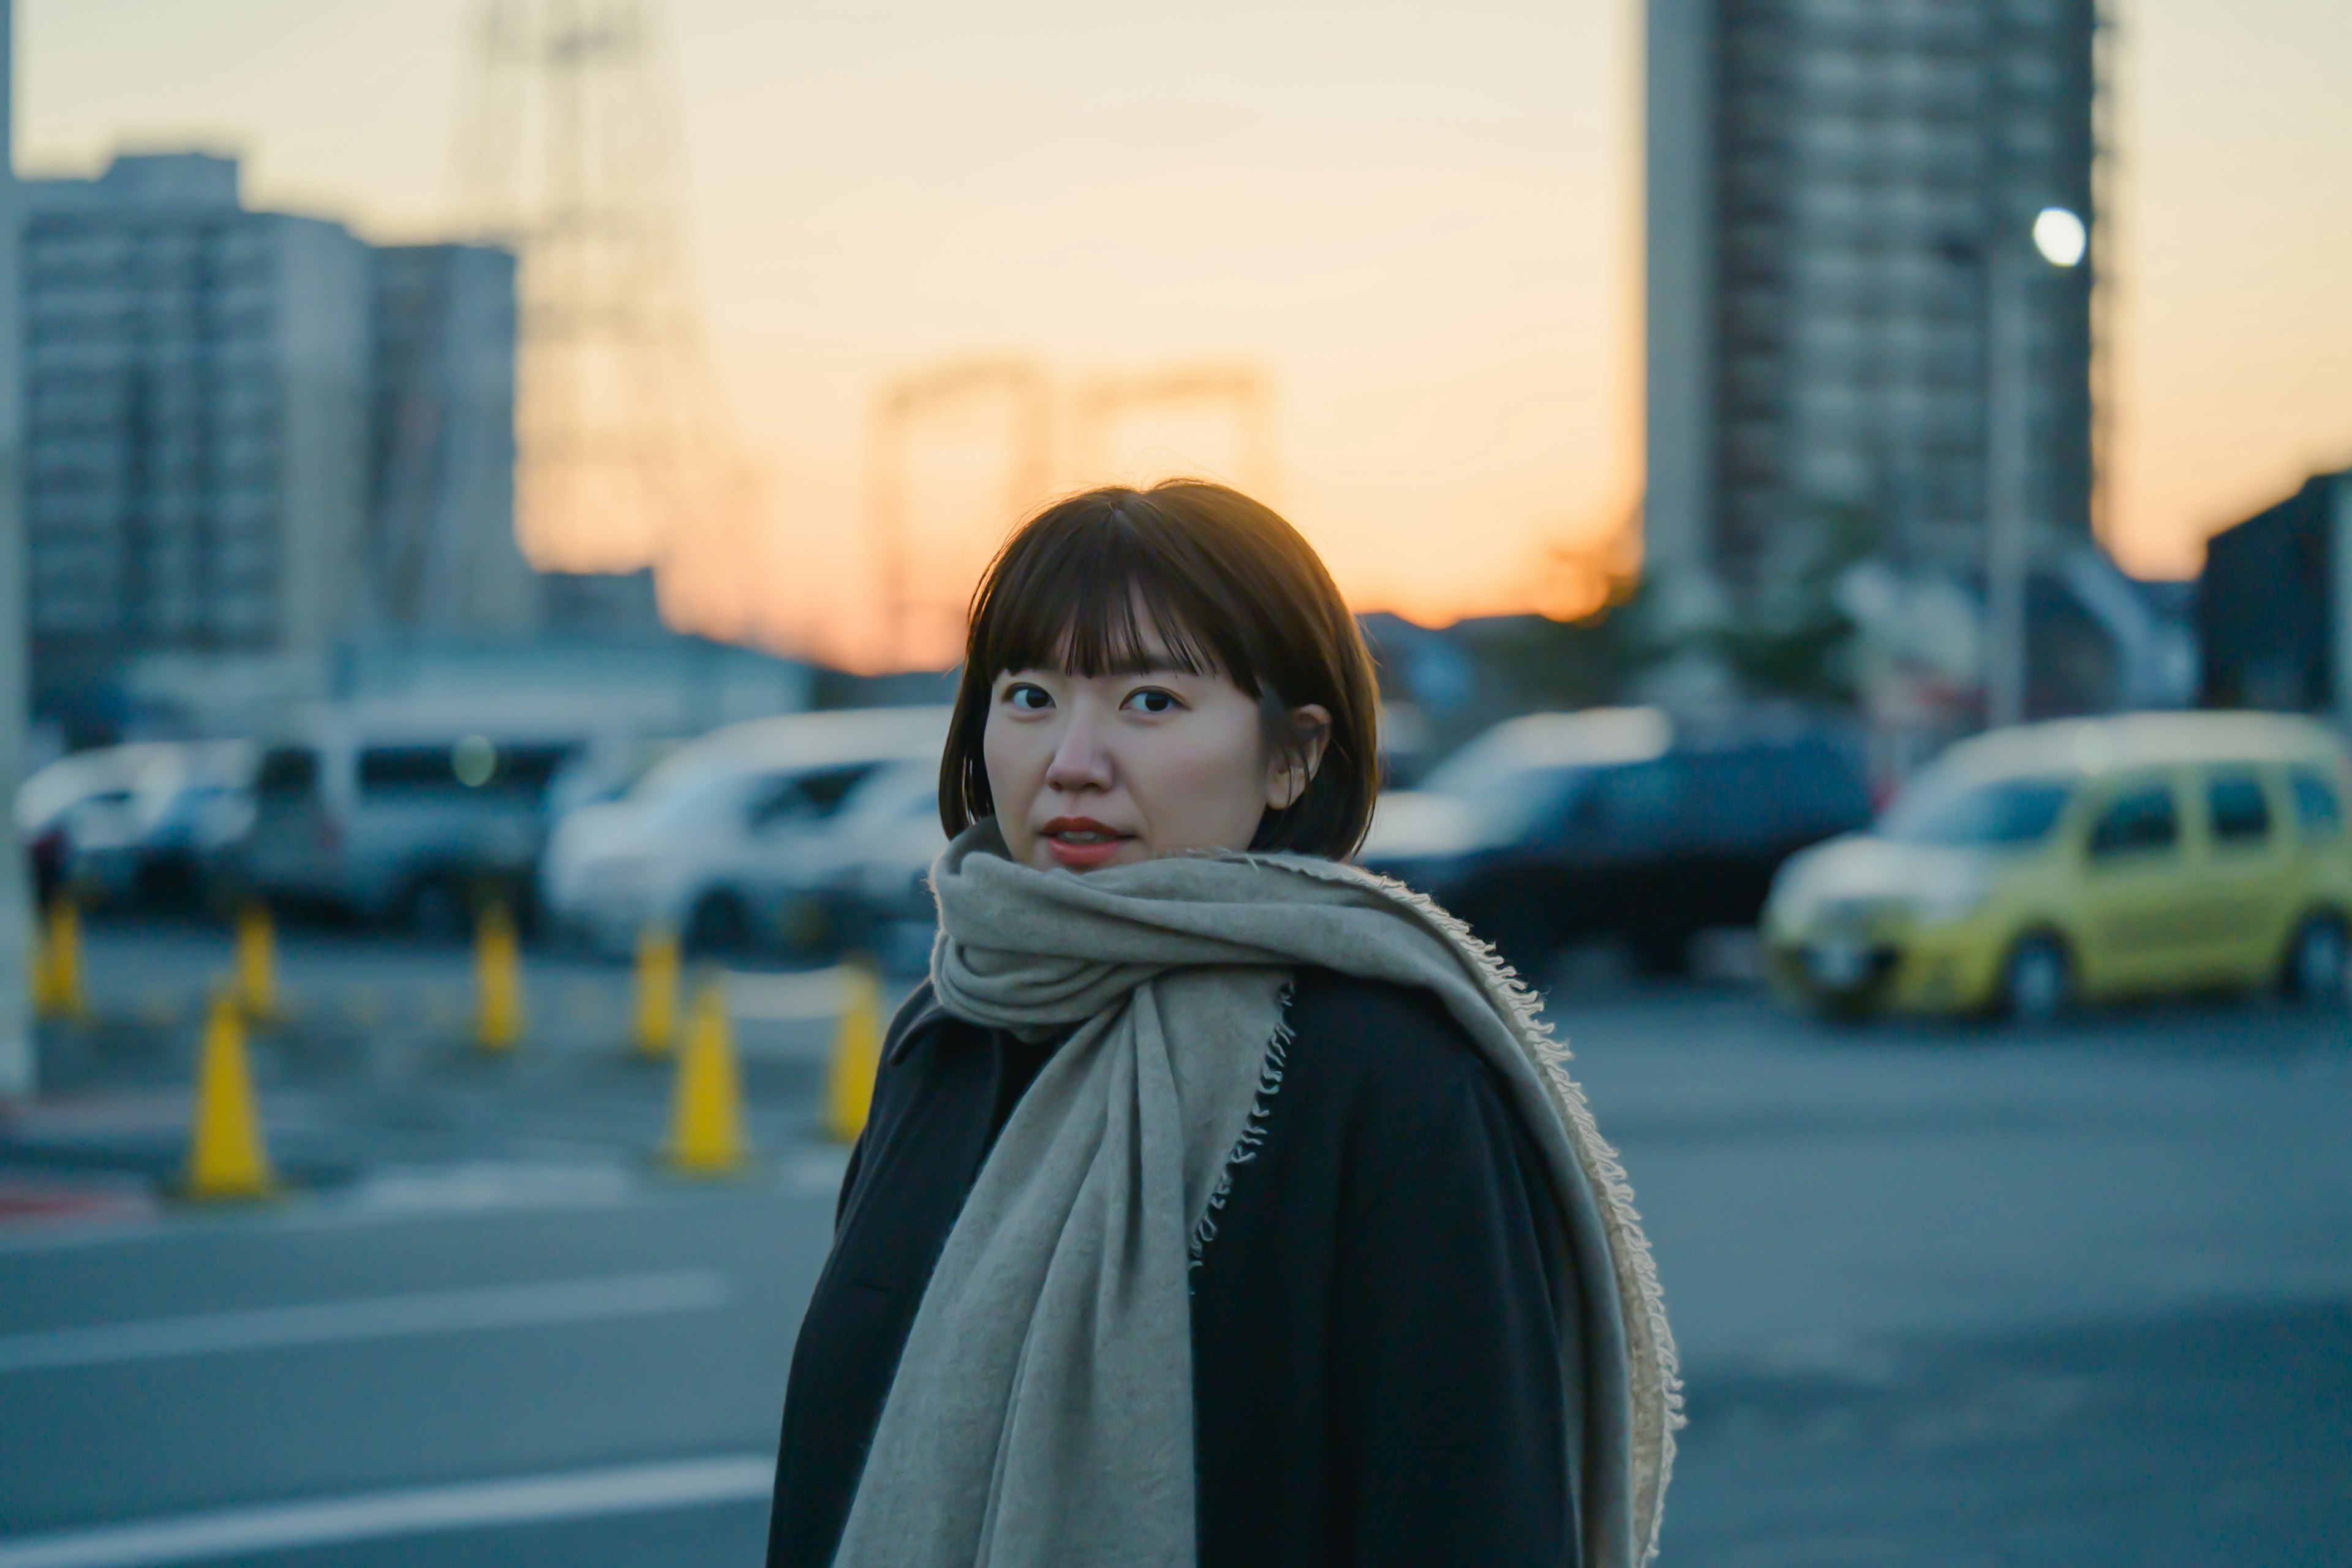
[{"x": 1080, "y": 843}]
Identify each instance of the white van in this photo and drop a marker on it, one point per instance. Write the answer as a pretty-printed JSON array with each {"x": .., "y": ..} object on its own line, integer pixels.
[
  {"x": 812, "y": 884},
  {"x": 411, "y": 810},
  {"x": 691, "y": 846},
  {"x": 881, "y": 887}
]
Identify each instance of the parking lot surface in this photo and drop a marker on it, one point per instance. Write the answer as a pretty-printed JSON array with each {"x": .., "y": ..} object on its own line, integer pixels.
[{"x": 1945, "y": 1294}]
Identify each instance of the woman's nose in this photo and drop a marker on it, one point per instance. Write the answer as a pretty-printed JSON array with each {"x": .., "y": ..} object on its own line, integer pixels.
[{"x": 1080, "y": 761}]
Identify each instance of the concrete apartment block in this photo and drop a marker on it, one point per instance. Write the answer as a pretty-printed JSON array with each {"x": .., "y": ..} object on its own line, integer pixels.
[
  {"x": 197, "y": 412},
  {"x": 1825, "y": 180},
  {"x": 442, "y": 551}
]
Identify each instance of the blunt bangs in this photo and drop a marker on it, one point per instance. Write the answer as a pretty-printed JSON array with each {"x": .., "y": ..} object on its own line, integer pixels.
[
  {"x": 1228, "y": 587},
  {"x": 1081, "y": 599}
]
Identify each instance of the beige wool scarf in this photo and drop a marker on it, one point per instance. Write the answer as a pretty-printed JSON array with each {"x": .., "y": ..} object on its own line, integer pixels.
[{"x": 1041, "y": 1413}]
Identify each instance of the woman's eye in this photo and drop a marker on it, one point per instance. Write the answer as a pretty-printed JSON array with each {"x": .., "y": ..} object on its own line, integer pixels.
[
  {"x": 1028, "y": 699},
  {"x": 1151, "y": 699}
]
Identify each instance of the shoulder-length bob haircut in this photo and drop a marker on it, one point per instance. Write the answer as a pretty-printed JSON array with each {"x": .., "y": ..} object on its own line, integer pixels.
[{"x": 1230, "y": 588}]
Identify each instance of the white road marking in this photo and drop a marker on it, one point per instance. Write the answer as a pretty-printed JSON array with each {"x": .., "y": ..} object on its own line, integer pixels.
[
  {"x": 369, "y": 1318},
  {"x": 816, "y": 1171},
  {"x": 788, "y": 998},
  {"x": 376, "y": 1516}
]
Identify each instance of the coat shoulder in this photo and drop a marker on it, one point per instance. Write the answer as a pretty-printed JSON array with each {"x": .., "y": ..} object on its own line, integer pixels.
[
  {"x": 1387, "y": 1045},
  {"x": 917, "y": 1014}
]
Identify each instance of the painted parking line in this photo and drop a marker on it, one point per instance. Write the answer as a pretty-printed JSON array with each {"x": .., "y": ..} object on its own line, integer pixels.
[
  {"x": 789, "y": 998},
  {"x": 656, "y": 1487},
  {"x": 369, "y": 1318}
]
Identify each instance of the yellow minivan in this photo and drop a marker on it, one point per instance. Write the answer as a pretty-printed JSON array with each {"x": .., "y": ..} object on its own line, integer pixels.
[{"x": 2082, "y": 860}]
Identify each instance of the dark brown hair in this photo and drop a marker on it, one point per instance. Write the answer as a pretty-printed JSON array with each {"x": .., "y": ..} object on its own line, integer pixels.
[{"x": 1231, "y": 590}]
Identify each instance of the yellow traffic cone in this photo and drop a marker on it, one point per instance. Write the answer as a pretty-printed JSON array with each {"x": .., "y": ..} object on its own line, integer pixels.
[
  {"x": 498, "y": 980},
  {"x": 225, "y": 1156},
  {"x": 856, "y": 1054},
  {"x": 58, "y": 982},
  {"x": 706, "y": 1136},
  {"x": 257, "y": 962},
  {"x": 656, "y": 1029},
  {"x": 42, "y": 980}
]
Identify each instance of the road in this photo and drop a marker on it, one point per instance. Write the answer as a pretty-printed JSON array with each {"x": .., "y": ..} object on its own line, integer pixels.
[
  {"x": 375, "y": 1365},
  {"x": 1945, "y": 1296},
  {"x": 1952, "y": 1296}
]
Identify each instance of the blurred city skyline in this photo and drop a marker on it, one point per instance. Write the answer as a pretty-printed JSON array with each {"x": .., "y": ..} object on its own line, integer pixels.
[{"x": 1423, "y": 225}]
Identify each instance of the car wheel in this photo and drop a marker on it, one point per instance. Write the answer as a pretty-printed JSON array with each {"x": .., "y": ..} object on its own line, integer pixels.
[
  {"x": 806, "y": 925},
  {"x": 2318, "y": 961},
  {"x": 2038, "y": 982},
  {"x": 718, "y": 925},
  {"x": 1661, "y": 955},
  {"x": 434, "y": 910}
]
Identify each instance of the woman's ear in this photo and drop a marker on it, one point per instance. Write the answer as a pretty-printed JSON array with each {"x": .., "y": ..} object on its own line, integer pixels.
[{"x": 1292, "y": 768}]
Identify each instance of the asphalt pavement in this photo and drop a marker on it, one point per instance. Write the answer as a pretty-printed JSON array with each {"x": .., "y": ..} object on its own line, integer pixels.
[
  {"x": 1965, "y": 1295},
  {"x": 1947, "y": 1294}
]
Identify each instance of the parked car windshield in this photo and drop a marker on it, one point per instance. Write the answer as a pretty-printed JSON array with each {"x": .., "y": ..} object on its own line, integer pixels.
[
  {"x": 472, "y": 767},
  {"x": 670, "y": 777},
  {"x": 287, "y": 770},
  {"x": 2014, "y": 812},
  {"x": 1507, "y": 800},
  {"x": 2315, "y": 805},
  {"x": 902, "y": 790},
  {"x": 808, "y": 795},
  {"x": 689, "y": 793}
]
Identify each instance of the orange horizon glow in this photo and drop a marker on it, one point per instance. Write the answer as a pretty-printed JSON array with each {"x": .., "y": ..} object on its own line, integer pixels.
[{"x": 1422, "y": 227}]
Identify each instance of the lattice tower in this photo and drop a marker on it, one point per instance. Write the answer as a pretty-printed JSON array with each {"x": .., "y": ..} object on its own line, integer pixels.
[
  {"x": 917, "y": 616},
  {"x": 1024, "y": 393},
  {"x": 569, "y": 149}
]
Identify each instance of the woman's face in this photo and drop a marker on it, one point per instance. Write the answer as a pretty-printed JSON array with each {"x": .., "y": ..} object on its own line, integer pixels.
[{"x": 1104, "y": 770}]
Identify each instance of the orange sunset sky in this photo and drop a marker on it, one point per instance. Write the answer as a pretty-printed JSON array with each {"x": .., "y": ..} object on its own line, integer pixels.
[{"x": 1422, "y": 222}]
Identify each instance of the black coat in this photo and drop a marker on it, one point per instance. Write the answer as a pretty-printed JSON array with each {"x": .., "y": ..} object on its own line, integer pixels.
[{"x": 1376, "y": 1362}]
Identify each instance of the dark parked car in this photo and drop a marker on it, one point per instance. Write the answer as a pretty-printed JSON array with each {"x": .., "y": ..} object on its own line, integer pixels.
[{"x": 1561, "y": 828}]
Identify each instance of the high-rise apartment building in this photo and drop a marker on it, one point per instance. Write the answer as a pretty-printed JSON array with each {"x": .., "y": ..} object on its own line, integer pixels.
[
  {"x": 196, "y": 419},
  {"x": 603, "y": 604},
  {"x": 1828, "y": 182},
  {"x": 441, "y": 552},
  {"x": 251, "y": 433}
]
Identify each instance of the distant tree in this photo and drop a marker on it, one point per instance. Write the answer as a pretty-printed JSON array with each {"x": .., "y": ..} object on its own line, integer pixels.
[
  {"x": 1791, "y": 637},
  {"x": 1541, "y": 663},
  {"x": 1630, "y": 636}
]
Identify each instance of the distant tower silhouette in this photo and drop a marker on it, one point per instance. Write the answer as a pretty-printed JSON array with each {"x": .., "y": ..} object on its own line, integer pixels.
[
  {"x": 1241, "y": 390},
  {"x": 568, "y": 150},
  {"x": 1024, "y": 391},
  {"x": 920, "y": 620}
]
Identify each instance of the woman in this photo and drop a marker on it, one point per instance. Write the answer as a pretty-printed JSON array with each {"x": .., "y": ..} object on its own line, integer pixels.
[{"x": 1220, "y": 1203}]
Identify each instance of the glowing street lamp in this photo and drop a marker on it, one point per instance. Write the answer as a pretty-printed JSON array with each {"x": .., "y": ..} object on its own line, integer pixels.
[
  {"x": 2062, "y": 240},
  {"x": 2060, "y": 236}
]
